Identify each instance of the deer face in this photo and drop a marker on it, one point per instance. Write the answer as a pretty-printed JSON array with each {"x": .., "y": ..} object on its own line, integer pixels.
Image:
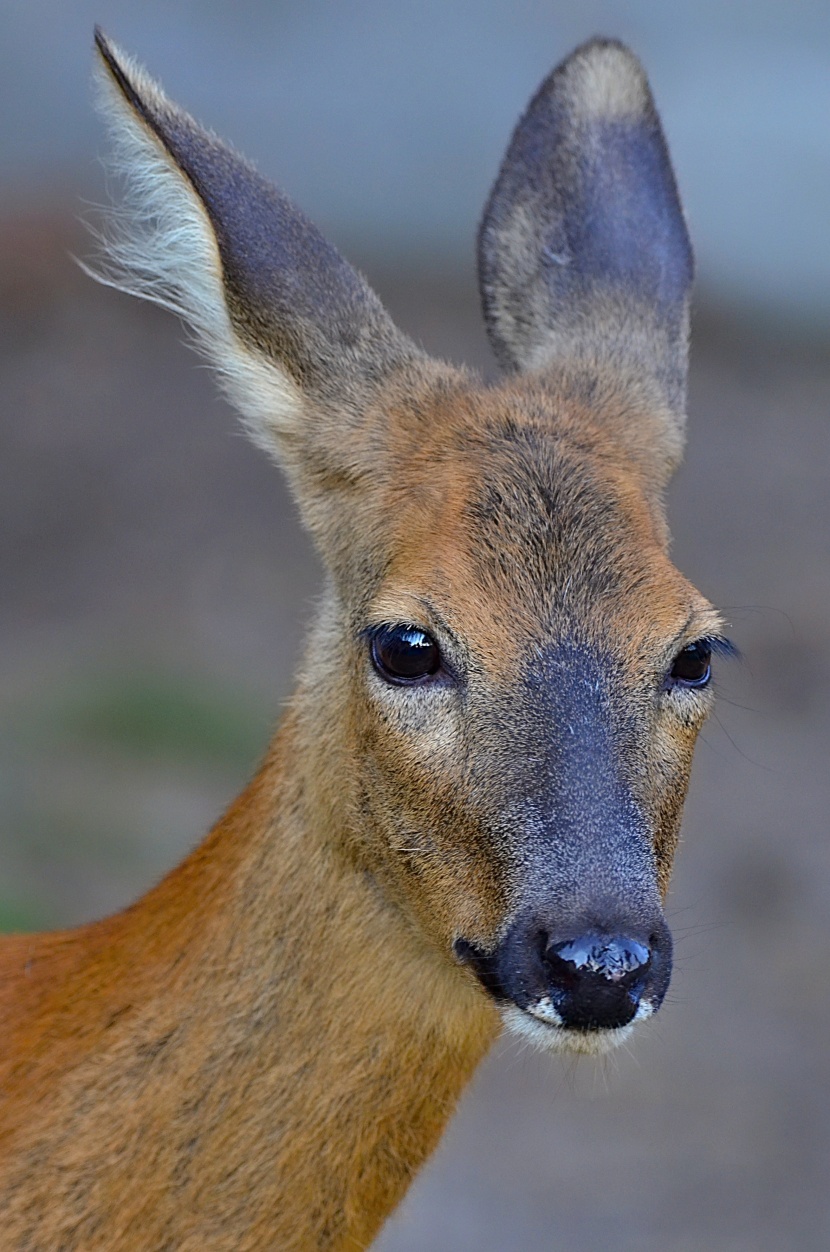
[
  {"x": 508, "y": 671},
  {"x": 526, "y": 682}
]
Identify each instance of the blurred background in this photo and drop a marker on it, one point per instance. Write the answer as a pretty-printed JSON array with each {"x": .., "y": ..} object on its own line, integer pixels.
[{"x": 154, "y": 583}]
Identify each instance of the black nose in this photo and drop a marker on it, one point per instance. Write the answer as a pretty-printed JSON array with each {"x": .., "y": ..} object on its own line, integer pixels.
[{"x": 596, "y": 981}]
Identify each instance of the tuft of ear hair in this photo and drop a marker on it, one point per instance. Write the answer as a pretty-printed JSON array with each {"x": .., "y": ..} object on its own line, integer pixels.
[
  {"x": 290, "y": 326},
  {"x": 583, "y": 249}
]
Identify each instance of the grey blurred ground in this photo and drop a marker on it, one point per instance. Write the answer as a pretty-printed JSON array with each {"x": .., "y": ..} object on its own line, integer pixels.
[{"x": 153, "y": 587}]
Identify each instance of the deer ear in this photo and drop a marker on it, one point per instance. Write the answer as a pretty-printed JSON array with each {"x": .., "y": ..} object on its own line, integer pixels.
[
  {"x": 583, "y": 249},
  {"x": 292, "y": 329}
]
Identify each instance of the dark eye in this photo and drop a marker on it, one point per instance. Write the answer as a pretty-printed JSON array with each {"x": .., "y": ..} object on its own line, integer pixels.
[
  {"x": 692, "y": 667},
  {"x": 404, "y": 654}
]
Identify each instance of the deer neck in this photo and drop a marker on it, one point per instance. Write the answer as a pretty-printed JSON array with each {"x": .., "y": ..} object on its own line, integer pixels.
[{"x": 295, "y": 1047}]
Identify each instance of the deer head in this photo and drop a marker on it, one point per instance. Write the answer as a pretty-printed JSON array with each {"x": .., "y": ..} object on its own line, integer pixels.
[{"x": 507, "y": 675}]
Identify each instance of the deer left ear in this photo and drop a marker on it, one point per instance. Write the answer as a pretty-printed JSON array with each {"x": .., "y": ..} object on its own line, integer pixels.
[
  {"x": 300, "y": 341},
  {"x": 584, "y": 255}
]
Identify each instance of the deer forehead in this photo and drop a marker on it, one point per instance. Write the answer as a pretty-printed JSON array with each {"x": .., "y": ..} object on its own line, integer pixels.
[{"x": 514, "y": 525}]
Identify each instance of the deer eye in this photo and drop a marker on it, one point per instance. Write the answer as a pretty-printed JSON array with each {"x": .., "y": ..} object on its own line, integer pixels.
[
  {"x": 404, "y": 654},
  {"x": 692, "y": 666}
]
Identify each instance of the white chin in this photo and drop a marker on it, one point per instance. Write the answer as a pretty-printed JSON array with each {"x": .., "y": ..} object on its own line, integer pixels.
[{"x": 541, "y": 1025}]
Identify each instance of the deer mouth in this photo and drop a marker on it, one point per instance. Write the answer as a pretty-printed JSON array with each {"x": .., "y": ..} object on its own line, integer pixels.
[{"x": 541, "y": 1025}]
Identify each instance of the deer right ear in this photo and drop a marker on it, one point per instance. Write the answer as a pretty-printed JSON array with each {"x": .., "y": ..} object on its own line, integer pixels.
[
  {"x": 300, "y": 341},
  {"x": 583, "y": 249}
]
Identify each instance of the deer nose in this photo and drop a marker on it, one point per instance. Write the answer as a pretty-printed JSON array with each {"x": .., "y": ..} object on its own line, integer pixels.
[{"x": 596, "y": 980}]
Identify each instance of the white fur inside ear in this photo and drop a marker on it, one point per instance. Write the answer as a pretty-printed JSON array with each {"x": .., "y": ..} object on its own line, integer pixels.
[{"x": 158, "y": 244}]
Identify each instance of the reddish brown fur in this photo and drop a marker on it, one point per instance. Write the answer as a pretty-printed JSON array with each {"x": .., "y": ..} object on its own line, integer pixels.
[{"x": 263, "y": 1050}]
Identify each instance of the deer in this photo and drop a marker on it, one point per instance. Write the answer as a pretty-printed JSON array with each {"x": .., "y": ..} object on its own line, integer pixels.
[{"x": 467, "y": 819}]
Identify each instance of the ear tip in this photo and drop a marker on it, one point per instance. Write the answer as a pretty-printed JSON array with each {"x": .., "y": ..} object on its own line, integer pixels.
[
  {"x": 602, "y": 79},
  {"x": 603, "y": 52},
  {"x": 116, "y": 70},
  {"x": 109, "y": 58},
  {"x": 104, "y": 47}
]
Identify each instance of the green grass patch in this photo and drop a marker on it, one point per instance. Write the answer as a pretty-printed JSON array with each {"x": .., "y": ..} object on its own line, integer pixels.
[
  {"x": 152, "y": 715},
  {"x": 22, "y": 915}
]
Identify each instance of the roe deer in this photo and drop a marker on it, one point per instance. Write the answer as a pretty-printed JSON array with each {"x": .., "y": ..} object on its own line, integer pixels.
[{"x": 469, "y": 814}]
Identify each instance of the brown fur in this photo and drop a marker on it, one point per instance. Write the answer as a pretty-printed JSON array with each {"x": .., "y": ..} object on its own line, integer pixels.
[{"x": 263, "y": 1050}]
